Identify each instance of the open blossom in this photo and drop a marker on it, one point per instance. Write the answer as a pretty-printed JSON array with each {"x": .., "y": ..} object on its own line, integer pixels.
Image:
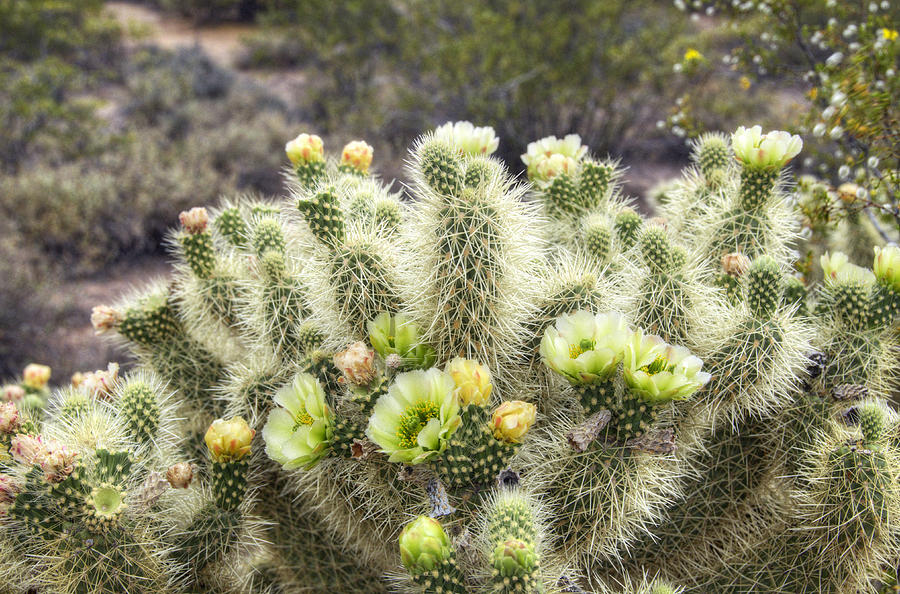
[
  {"x": 771, "y": 150},
  {"x": 837, "y": 267},
  {"x": 194, "y": 220},
  {"x": 13, "y": 393},
  {"x": 468, "y": 138},
  {"x": 8, "y": 491},
  {"x": 101, "y": 383},
  {"x": 543, "y": 149},
  {"x": 9, "y": 417},
  {"x": 357, "y": 154},
  {"x": 657, "y": 372},
  {"x": 36, "y": 376},
  {"x": 298, "y": 431},
  {"x": 357, "y": 363},
  {"x": 27, "y": 449},
  {"x": 105, "y": 318},
  {"x": 555, "y": 165},
  {"x": 583, "y": 347},
  {"x": 305, "y": 148}
]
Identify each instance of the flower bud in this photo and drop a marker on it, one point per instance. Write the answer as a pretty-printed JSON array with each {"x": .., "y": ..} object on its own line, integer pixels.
[
  {"x": 180, "y": 475},
  {"x": 424, "y": 545},
  {"x": 105, "y": 318},
  {"x": 77, "y": 379},
  {"x": 194, "y": 220},
  {"x": 887, "y": 266},
  {"x": 36, "y": 376},
  {"x": 13, "y": 393},
  {"x": 473, "y": 381},
  {"x": 514, "y": 558},
  {"x": 393, "y": 361},
  {"x": 357, "y": 154},
  {"x": 101, "y": 383},
  {"x": 512, "y": 419},
  {"x": 848, "y": 192},
  {"x": 357, "y": 363},
  {"x": 8, "y": 491},
  {"x": 735, "y": 264},
  {"x": 9, "y": 418},
  {"x": 305, "y": 148},
  {"x": 229, "y": 440}
]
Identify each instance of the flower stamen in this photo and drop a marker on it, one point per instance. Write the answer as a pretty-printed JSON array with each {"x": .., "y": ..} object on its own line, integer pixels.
[{"x": 413, "y": 421}]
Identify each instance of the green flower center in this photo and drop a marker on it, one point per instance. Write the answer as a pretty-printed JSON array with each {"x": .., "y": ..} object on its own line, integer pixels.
[
  {"x": 107, "y": 500},
  {"x": 585, "y": 345},
  {"x": 659, "y": 365},
  {"x": 302, "y": 418},
  {"x": 413, "y": 421}
]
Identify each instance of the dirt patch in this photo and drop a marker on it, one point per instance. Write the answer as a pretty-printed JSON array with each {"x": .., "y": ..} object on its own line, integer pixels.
[{"x": 222, "y": 42}]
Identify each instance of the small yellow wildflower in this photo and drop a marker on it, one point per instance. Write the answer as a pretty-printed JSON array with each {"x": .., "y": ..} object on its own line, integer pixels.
[
  {"x": 889, "y": 34},
  {"x": 692, "y": 55},
  {"x": 745, "y": 83}
]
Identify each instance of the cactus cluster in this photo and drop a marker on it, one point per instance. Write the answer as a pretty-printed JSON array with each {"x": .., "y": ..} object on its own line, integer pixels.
[{"x": 489, "y": 385}]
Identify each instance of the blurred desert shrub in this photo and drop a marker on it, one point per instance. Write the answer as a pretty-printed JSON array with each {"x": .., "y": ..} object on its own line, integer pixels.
[
  {"x": 526, "y": 67},
  {"x": 208, "y": 11},
  {"x": 189, "y": 135}
]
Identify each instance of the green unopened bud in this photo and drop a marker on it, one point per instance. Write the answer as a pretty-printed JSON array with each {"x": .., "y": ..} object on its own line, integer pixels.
[
  {"x": 872, "y": 420},
  {"x": 424, "y": 545},
  {"x": 514, "y": 558}
]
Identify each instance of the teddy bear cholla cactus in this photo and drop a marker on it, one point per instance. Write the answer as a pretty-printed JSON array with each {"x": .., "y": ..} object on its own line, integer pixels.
[{"x": 398, "y": 358}]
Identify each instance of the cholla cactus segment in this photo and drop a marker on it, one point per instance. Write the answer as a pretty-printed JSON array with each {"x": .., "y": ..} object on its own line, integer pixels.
[
  {"x": 324, "y": 216},
  {"x": 764, "y": 151},
  {"x": 399, "y": 335},
  {"x": 585, "y": 348},
  {"x": 138, "y": 403},
  {"x": 512, "y": 419},
  {"x": 655, "y": 248},
  {"x": 763, "y": 286},
  {"x": 627, "y": 225},
  {"x": 794, "y": 292},
  {"x": 873, "y": 420},
  {"x": 36, "y": 376},
  {"x": 657, "y": 372},
  {"x": 268, "y": 236},
  {"x": 473, "y": 381},
  {"x": 230, "y": 223},
  {"x": 597, "y": 238},
  {"x": 414, "y": 421},
  {"x": 356, "y": 157},
  {"x": 229, "y": 440},
  {"x": 593, "y": 182},
  {"x": 887, "y": 267},
  {"x": 569, "y": 147},
  {"x": 197, "y": 245},
  {"x": 469, "y": 139},
  {"x": 712, "y": 153},
  {"x": 441, "y": 167},
  {"x": 298, "y": 433}
]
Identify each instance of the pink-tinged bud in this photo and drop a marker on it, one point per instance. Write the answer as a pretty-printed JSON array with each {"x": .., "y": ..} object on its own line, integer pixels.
[
  {"x": 36, "y": 376},
  {"x": 393, "y": 361},
  {"x": 180, "y": 475},
  {"x": 105, "y": 318},
  {"x": 27, "y": 449},
  {"x": 357, "y": 154},
  {"x": 735, "y": 264},
  {"x": 9, "y": 418},
  {"x": 58, "y": 462},
  {"x": 305, "y": 148},
  {"x": 229, "y": 440},
  {"x": 512, "y": 419},
  {"x": 357, "y": 363},
  {"x": 8, "y": 491},
  {"x": 101, "y": 383},
  {"x": 194, "y": 220},
  {"x": 13, "y": 393}
]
